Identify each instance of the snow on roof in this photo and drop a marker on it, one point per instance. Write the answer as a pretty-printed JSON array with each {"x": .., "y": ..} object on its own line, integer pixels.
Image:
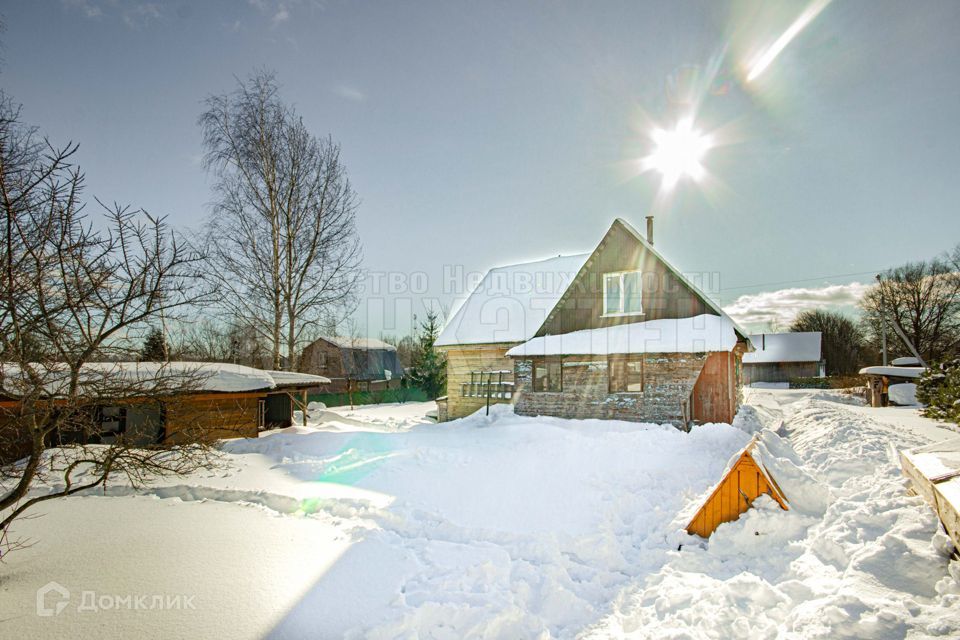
[
  {"x": 803, "y": 346},
  {"x": 346, "y": 342},
  {"x": 155, "y": 376},
  {"x": 699, "y": 334},
  {"x": 909, "y": 361},
  {"x": 294, "y": 378},
  {"x": 511, "y": 303},
  {"x": 897, "y": 372}
]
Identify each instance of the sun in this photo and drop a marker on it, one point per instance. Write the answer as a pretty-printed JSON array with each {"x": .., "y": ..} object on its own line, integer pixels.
[{"x": 678, "y": 152}]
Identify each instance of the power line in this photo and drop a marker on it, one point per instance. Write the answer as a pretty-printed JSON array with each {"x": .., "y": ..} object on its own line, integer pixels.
[{"x": 767, "y": 284}]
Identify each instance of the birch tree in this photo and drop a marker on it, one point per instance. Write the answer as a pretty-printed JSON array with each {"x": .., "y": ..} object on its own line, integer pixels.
[{"x": 282, "y": 235}]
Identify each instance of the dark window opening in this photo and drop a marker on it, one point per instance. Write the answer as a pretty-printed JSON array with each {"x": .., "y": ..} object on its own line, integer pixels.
[
  {"x": 547, "y": 375},
  {"x": 626, "y": 374}
]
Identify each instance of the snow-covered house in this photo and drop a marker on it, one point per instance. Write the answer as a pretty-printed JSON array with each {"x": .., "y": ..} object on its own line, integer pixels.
[
  {"x": 365, "y": 363},
  {"x": 614, "y": 333},
  {"x": 161, "y": 401},
  {"x": 778, "y": 357}
]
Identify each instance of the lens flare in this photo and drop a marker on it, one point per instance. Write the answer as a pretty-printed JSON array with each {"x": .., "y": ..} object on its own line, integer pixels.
[
  {"x": 761, "y": 62},
  {"x": 678, "y": 152}
]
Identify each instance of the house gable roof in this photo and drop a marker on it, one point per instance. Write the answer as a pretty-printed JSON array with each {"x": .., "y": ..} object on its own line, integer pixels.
[
  {"x": 682, "y": 279},
  {"x": 506, "y": 308},
  {"x": 511, "y": 302}
]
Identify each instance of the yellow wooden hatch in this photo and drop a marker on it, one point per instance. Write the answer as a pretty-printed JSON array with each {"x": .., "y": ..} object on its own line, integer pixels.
[{"x": 745, "y": 481}]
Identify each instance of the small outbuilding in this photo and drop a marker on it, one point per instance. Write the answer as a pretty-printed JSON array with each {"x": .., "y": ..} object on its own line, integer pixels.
[
  {"x": 159, "y": 402},
  {"x": 778, "y": 357},
  {"x": 363, "y": 364},
  {"x": 745, "y": 480},
  {"x": 880, "y": 379}
]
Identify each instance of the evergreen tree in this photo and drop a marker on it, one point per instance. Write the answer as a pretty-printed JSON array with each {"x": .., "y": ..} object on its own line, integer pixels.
[
  {"x": 429, "y": 370},
  {"x": 154, "y": 347}
]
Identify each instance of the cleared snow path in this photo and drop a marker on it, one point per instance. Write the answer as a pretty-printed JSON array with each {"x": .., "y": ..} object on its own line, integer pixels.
[{"x": 872, "y": 565}]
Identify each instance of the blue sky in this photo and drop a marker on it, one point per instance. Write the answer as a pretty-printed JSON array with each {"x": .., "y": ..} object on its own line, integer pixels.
[{"x": 485, "y": 133}]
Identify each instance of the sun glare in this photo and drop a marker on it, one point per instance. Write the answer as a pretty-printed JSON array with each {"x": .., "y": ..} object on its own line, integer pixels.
[{"x": 678, "y": 152}]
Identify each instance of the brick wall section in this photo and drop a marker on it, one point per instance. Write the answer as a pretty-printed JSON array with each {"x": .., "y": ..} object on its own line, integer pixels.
[{"x": 669, "y": 379}]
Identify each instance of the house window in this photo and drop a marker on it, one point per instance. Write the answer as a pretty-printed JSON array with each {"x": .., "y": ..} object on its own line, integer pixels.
[
  {"x": 113, "y": 420},
  {"x": 546, "y": 375},
  {"x": 622, "y": 293},
  {"x": 626, "y": 374}
]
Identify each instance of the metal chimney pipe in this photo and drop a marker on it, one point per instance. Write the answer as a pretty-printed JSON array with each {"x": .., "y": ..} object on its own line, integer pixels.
[{"x": 650, "y": 230}]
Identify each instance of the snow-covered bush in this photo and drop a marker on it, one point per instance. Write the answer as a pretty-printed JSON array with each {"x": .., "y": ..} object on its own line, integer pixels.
[{"x": 939, "y": 389}]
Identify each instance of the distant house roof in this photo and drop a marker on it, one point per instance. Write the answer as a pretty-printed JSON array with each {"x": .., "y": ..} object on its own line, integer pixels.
[
  {"x": 699, "y": 334},
  {"x": 156, "y": 376},
  {"x": 346, "y": 342},
  {"x": 512, "y": 302},
  {"x": 798, "y": 346}
]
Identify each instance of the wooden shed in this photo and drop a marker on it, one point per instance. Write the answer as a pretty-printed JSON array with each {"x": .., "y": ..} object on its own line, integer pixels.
[
  {"x": 746, "y": 480},
  {"x": 141, "y": 402}
]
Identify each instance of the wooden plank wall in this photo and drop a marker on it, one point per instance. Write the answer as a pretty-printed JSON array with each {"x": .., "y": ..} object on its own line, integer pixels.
[
  {"x": 727, "y": 501},
  {"x": 714, "y": 395},
  {"x": 923, "y": 486},
  {"x": 213, "y": 417},
  {"x": 461, "y": 360}
]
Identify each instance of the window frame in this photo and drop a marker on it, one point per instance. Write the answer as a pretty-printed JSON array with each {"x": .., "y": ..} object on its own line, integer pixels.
[
  {"x": 621, "y": 313},
  {"x": 625, "y": 361},
  {"x": 546, "y": 361}
]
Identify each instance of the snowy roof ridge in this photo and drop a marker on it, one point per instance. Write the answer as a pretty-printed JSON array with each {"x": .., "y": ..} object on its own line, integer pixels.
[
  {"x": 697, "y": 334},
  {"x": 794, "y": 346},
  {"x": 346, "y": 342},
  {"x": 519, "y": 295}
]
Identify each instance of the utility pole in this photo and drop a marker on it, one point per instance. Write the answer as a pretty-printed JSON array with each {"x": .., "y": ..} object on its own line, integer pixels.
[{"x": 883, "y": 321}]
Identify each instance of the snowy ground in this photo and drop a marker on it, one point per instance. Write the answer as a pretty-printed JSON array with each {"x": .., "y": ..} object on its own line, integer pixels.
[{"x": 375, "y": 523}]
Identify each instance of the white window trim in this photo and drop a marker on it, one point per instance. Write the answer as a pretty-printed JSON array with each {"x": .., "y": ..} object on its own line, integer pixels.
[{"x": 621, "y": 314}]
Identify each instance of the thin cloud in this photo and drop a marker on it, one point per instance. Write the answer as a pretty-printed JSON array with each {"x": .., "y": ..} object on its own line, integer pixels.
[
  {"x": 777, "y": 309},
  {"x": 133, "y": 14},
  {"x": 281, "y": 15},
  {"x": 349, "y": 93},
  {"x": 85, "y": 7}
]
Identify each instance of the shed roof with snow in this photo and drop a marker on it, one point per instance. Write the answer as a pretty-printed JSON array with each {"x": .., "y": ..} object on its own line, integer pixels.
[
  {"x": 799, "y": 346},
  {"x": 218, "y": 377},
  {"x": 745, "y": 479},
  {"x": 893, "y": 372}
]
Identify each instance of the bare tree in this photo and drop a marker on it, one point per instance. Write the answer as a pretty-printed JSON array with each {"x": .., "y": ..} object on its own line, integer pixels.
[
  {"x": 71, "y": 296},
  {"x": 920, "y": 300},
  {"x": 282, "y": 234},
  {"x": 842, "y": 339}
]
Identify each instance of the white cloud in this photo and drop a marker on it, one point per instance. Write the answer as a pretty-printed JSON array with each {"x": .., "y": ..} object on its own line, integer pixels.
[
  {"x": 281, "y": 15},
  {"x": 349, "y": 93},
  {"x": 777, "y": 309}
]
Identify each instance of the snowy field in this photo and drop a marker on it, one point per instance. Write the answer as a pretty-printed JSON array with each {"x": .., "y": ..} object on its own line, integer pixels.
[{"x": 374, "y": 523}]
